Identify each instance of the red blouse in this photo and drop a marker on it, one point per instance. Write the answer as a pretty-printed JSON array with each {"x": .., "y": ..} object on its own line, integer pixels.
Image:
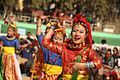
[{"x": 69, "y": 56}]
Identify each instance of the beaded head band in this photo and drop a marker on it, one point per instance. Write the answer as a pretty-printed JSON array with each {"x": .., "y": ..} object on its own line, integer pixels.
[
  {"x": 80, "y": 20},
  {"x": 60, "y": 30}
]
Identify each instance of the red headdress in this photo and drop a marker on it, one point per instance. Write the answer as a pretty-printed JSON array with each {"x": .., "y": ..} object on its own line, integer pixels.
[{"x": 78, "y": 19}]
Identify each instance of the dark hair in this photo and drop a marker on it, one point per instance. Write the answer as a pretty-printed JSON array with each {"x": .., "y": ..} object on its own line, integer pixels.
[
  {"x": 117, "y": 51},
  {"x": 103, "y": 41},
  {"x": 93, "y": 41},
  {"x": 28, "y": 33},
  {"x": 108, "y": 49},
  {"x": 23, "y": 41},
  {"x": 1, "y": 40}
]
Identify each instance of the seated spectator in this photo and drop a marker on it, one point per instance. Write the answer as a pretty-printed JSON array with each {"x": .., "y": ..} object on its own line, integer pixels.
[
  {"x": 108, "y": 64},
  {"x": 115, "y": 73},
  {"x": 103, "y": 47},
  {"x": 27, "y": 53},
  {"x": 29, "y": 37}
]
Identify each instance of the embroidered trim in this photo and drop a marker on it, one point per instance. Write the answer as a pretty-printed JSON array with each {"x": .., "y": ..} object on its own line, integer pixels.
[{"x": 10, "y": 38}]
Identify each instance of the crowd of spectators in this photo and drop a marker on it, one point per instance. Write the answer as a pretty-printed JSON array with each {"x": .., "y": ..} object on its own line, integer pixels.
[
  {"x": 58, "y": 9},
  {"x": 110, "y": 58}
]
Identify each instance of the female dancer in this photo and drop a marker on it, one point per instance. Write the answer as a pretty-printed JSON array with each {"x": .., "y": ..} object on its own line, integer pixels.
[
  {"x": 9, "y": 58},
  {"x": 52, "y": 61},
  {"x": 77, "y": 54}
]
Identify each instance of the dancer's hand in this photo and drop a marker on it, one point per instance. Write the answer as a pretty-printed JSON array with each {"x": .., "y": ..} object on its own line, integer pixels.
[
  {"x": 39, "y": 22},
  {"x": 78, "y": 66}
]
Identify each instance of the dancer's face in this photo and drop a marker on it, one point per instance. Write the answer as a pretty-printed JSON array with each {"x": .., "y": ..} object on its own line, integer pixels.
[
  {"x": 78, "y": 34},
  {"x": 58, "y": 38},
  {"x": 10, "y": 32}
]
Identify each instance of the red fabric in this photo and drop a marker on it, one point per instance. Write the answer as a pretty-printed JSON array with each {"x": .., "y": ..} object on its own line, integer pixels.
[
  {"x": 69, "y": 56},
  {"x": 114, "y": 75}
]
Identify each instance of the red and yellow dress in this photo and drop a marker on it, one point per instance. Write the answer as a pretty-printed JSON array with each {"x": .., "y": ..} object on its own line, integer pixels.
[
  {"x": 69, "y": 55},
  {"x": 11, "y": 69}
]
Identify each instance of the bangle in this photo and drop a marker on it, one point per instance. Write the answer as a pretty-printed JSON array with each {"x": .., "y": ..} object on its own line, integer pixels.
[
  {"x": 90, "y": 64},
  {"x": 53, "y": 27}
]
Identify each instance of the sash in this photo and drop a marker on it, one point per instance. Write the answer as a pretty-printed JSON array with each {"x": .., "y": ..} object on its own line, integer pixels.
[
  {"x": 79, "y": 77},
  {"x": 52, "y": 69},
  {"x": 9, "y": 50}
]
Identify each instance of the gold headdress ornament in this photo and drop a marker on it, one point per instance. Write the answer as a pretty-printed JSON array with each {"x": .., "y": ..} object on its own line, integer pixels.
[
  {"x": 51, "y": 24},
  {"x": 61, "y": 30},
  {"x": 12, "y": 26},
  {"x": 58, "y": 28}
]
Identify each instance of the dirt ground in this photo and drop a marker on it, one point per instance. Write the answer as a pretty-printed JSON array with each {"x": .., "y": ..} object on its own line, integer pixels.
[{"x": 25, "y": 77}]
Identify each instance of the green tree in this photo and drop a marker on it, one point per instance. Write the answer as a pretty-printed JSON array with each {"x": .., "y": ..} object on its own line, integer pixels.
[
  {"x": 38, "y": 4},
  {"x": 98, "y": 8},
  {"x": 8, "y": 5}
]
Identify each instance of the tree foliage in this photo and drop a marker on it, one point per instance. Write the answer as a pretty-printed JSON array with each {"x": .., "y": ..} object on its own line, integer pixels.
[
  {"x": 103, "y": 9},
  {"x": 8, "y": 5},
  {"x": 38, "y": 4}
]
